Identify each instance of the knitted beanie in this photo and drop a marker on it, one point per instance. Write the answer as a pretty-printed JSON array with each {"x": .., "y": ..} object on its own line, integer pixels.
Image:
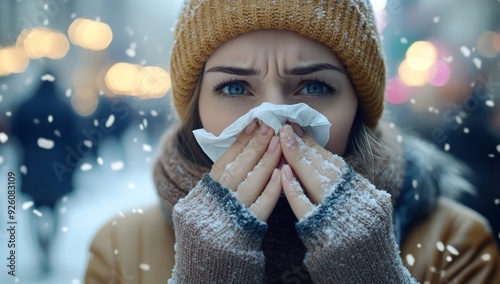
[{"x": 346, "y": 26}]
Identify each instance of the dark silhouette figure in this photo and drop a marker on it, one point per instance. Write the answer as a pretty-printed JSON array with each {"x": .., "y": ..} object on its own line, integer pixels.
[{"x": 44, "y": 126}]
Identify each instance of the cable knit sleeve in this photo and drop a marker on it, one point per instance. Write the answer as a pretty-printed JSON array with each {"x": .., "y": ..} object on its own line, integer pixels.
[
  {"x": 350, "y": 239},
  {"x": 218, "y": 239}
]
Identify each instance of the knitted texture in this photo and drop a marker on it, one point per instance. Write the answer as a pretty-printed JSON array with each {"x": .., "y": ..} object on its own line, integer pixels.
[
  {"x": 218, "y": 239},
  {"x": 346, "y": 26},
  {"x": 347, "y": 239},
  {"x": 350, "y": 239}
]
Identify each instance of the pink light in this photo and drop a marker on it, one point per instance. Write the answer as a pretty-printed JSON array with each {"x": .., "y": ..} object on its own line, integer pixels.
[
  {"x": 441, "y": 74},
  {"x": 397, "y": 92}
]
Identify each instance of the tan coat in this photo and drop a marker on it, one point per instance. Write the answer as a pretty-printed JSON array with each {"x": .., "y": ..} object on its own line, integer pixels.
[{"x": 139, "y": 248}]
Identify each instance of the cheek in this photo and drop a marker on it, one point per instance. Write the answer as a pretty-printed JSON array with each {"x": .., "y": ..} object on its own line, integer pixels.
[
  {"x": 214, "y": 116},
  {"x": 341, "y": 120}
]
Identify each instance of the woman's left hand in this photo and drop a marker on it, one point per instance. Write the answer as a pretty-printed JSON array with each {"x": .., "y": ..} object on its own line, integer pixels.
[{"x": 309, "y": 166}]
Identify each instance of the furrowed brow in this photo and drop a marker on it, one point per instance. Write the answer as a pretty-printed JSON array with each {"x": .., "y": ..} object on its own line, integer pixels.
[
  {"x": 234, "y": 70},
  {"x": 304, "y": 70}
]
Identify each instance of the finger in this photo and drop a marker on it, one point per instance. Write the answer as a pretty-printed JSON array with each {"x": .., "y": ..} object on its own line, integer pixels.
[
  {"x": 298, "y": 200},
  {"x": 236, "y": 171},
  {"x": 264, "y": 205},
  {"x": 248, "y": 191},
  {"x": 232, "y": 152},
  {"x": 316, "y": 168}
]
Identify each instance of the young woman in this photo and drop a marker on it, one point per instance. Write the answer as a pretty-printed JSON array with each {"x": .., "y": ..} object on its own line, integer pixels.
[{"x": 278, "y": 207}]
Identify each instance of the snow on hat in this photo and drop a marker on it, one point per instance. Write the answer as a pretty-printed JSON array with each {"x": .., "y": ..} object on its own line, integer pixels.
[{"x": 348, "y": 27}]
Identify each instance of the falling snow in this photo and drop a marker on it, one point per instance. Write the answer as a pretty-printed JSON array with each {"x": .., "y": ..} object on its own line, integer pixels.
[
  {"x": 414, "y": 183},
  {"x": 146, "y": 148},
  {"x": 48, "y": 77},
  {"x": 447, "y": 147},
  {"x": 8, "y": 113},
  {"x": 110, "y": 121},
  {"x": 410, "y": 259},
  {"x": 498, "y": 148},
  {"x": 100, "y": 161},
  {"x": 37, "y": 213},
  {"x": 465, "y": 51},
  {"x": 486, "y": 257},
  {"x": 490, "y": 103},
  {"x": 477, "y": 62},
  {"x": 466, "y": 130},
  {"x": 452, "y": 249},
  {"x": 436, "y": 19},
  {"x": 154, "y": 113},
  {"x": 64, "y": 229},
  {"x": 497, "y": 201},
  {"x": 36, "y": 121},
  {"x": 440, "y": 246},
  {"x": 86, "y": 167},
  {"x": 27, "y": 205},
  {"x": 57, "y": 133},
  {"x": 87, "y": 143},
  {"x": 50, "y": 118},
  {"x": 1, "y": 160},
  {"x": 116, "y": 166},
  {"x": 144, "y": 266},
  {"x": 3, "y": 137},
  {"x": 45, "y": 143},
  {"x": 404, "y": 40},
  {"x": 68, "y": 93},
  {"x": 23, "y": 169}
]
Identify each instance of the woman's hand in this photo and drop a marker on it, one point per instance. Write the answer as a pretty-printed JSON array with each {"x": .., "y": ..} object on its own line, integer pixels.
[
  {"x": 317, "y": 169},
  {"x": 248, "y": 167}
]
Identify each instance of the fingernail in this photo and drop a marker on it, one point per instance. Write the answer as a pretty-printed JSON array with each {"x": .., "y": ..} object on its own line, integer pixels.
[
  {"x": 297, "y": 129},
  {"x": 288, "y": 172},
  {"x": 273, "y": 145},
  {"x": 250, "y": 128},
  {"x": 288, "y": 136},
  {"x": 264, "y": 128},
  {"x": 275, "y": 175}
]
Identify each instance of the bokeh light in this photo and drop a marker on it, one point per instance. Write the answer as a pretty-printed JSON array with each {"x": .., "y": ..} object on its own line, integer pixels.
[
  {"x": 488, "y": 44},
  {"x": 90, "y": 34},
  {"x": 153, "y": 81},
  {"x": 12, "y": 60},
  {"x": 136, "y": 80},
  {"x": 397, "y": 92},
  {"x": 440, "y": 74},
  {"x": 421, "y": 55},
  {"x": 411, "y": 76},
  {"x": 42, "y": 42}
]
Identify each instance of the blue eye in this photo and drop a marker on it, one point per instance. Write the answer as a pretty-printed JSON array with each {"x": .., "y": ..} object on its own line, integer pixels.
[
  {"x": 231, "y": 88},
  {"x": 315, "y": 88}
]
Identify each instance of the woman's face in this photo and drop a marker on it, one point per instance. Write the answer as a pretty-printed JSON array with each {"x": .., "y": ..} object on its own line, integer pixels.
[{"x": 280, "y": 67}]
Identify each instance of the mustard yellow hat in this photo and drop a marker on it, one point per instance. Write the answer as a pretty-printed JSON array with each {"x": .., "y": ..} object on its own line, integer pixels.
[{"x": 348, "y": 27}]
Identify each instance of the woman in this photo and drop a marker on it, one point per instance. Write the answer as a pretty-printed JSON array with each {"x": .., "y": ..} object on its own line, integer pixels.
[{"x": 348, "y": 208}]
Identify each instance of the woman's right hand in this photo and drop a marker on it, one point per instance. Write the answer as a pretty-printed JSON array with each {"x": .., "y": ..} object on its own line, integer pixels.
[{"x": 248, "y": 168}]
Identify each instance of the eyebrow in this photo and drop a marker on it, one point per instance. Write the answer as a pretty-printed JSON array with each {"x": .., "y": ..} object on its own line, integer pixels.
[
  {"x": 303, "y": 70},
  {"x": 234, "y": 71},
  {"x": 308, "y": 69}
]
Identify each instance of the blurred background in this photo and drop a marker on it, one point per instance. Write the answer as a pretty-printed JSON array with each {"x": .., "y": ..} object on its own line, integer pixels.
[{"x": 84, "y": 101}]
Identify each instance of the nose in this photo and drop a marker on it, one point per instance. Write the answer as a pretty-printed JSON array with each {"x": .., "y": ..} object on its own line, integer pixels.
[{"x": 275, "y": 96}]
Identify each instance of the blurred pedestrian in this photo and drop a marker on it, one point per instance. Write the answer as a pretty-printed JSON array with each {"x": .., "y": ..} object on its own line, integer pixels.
[{"x": 44, "y": 126}]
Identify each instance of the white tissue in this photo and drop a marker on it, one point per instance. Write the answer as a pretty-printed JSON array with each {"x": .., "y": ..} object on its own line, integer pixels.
[{"x": 313, "y": 122}]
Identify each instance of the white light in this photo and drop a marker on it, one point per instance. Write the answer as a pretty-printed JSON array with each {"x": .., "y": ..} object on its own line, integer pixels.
[{"x": 378, "y": 5}]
